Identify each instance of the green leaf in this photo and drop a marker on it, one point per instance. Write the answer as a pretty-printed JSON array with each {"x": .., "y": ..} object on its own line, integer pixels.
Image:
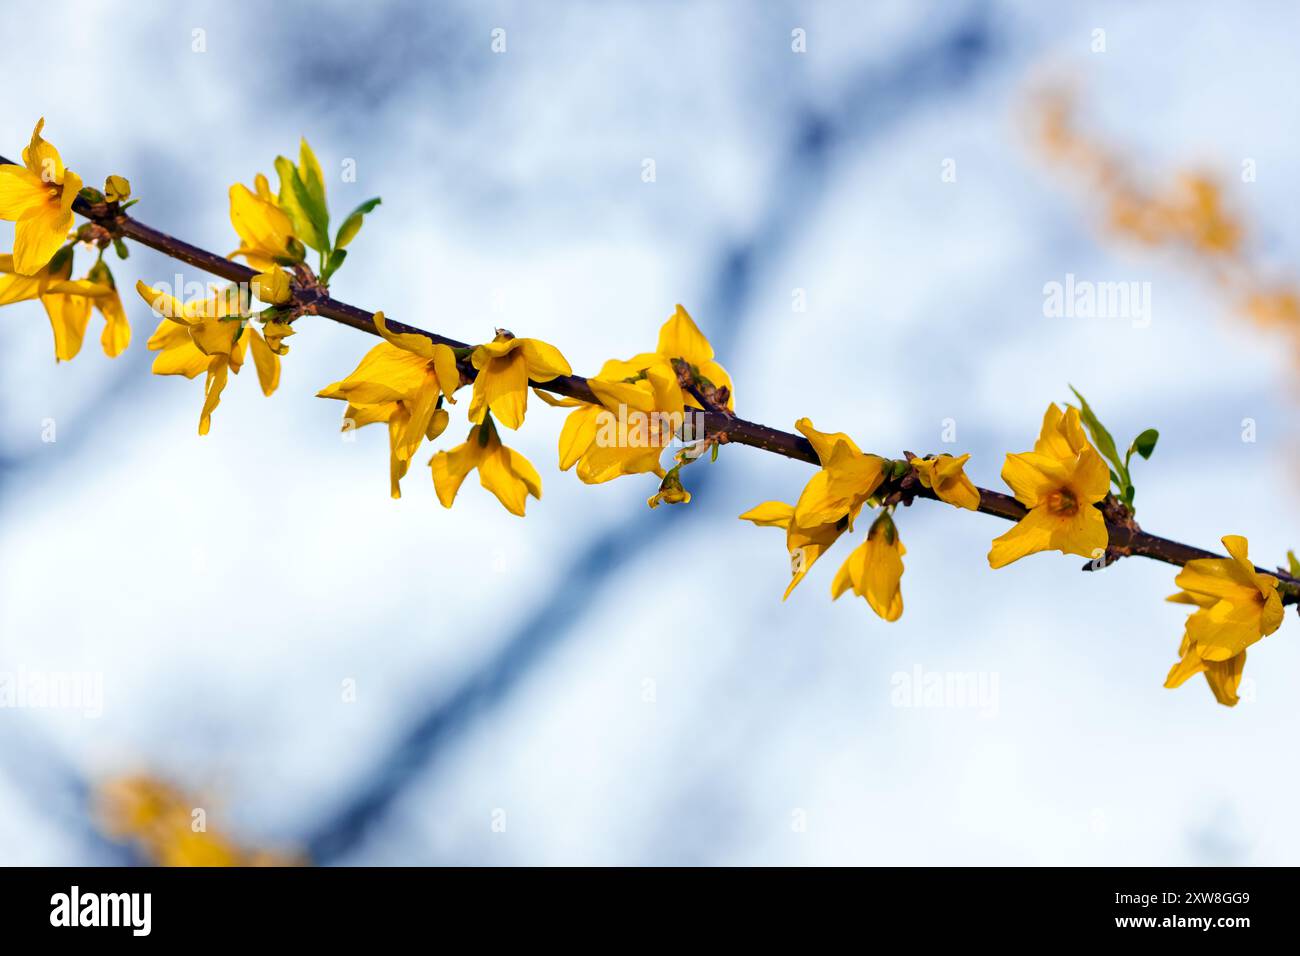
[
  {"x": 332, "y": 265},
  {"x": 1145, "y": 443},
  {"x": 1294, "y": 563},
  {"x": 120, "y": 247},
  {"x": 1100, "y": 437},
  {"x": 715, "y": 453},
  {"x": 309, "y": 171},
  {"x": 352, "y": 225},
  {"x": 302, "y": 209}
]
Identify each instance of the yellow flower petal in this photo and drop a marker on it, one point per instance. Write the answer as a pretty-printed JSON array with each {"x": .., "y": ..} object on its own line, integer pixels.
[
  {"x": 544, "y": 361},
  {"x": 69, "y": 315},
  {"x": 502, "y": 387},
  {"x": 265, "y": 361},
  {"x": 680, "y": 337},
  {"x": 770, "y": 514}
]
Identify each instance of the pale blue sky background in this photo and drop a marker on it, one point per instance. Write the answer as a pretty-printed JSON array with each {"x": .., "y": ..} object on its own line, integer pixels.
[{"x": 225, "y": 586}]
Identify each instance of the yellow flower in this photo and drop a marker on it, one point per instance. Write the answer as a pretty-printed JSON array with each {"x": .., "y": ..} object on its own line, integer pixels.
[
  {"x": 501, "y": 470},
  {"x": 1059, "y": 482},
  {"x": 829, "y": 503},
  {"x": 117, "y": 188},
  {"x": 680, "y": 337},
  {"x": 641, "y": 405},
  {"x": 945, "y": 476},
  {"x": 158, "y": 819},
  {"x": 1236, "y": 606},
  {"x": 504, "y": 367},
  {"x": 68, "y": 302},
  {"x": 273, "y": 286},
  {"x": 639, "y": 416},
  {"x": 401, "y": 381},
  {"x": 847, "y": 479},
  {"x": 38, "y": 197},
  {"x": 208, "y": 335},
  {"x": 874, "y": 570},
  {"x": 671, "y": 491},
  {"x": 265, "y": 232}
]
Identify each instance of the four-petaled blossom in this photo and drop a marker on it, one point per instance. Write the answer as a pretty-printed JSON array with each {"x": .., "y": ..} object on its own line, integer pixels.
[
  {"x": 639, "y": 415},
  {"x": 946, "y": 477},
  {"x": 504, "y": 367},
  {"x": 874, "y": 569},
  {"x": 1236, "y": 606},
  {"x": 847, "y": 479},
  {"x": 265, "y": 232},
  {"x": 501, "y": 470},
  {"x": 38, "y": 197},
  {"x": 829, "y": 504},
  {"x": 642, "y": 406},
  {"x": 68, "y": 302},
  {"x": 1060, "y": 481},
  {"x": 401, "y": 381},
  {"x": 681, "y": 338},
  {"x": 117, "y": 188},
  {"x": 209, "y": 335}
]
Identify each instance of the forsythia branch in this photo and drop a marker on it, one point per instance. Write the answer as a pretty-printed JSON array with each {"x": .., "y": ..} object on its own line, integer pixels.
[
  {"x": 1125, "y": 539},
  {"x": 1063, "y": 487}
]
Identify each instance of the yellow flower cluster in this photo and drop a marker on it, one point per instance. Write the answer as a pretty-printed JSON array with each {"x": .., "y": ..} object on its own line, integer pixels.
[
  {"x": 830, "y": 503},
  {"x": 168, "y": 828},
  {"x": 37, "y": 197}
]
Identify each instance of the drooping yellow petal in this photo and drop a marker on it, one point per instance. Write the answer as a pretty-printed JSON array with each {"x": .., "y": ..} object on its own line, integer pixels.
[
  {"x": 69, "y": 315},
  {"x": 577, "y": 435},
  {"x": 397, "y": 465},
  {"x": 420, "y": 409},
  {"x": 117, "y": 329},
  {"x": 502, "y": 387},
  {"x": 874, "y": 570},
  {"x": 218, "y": 373},
  {"x": 510, "y": 476},
  {"x": 451, "y": 467},
  {"x": 265, "y": 361}
]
